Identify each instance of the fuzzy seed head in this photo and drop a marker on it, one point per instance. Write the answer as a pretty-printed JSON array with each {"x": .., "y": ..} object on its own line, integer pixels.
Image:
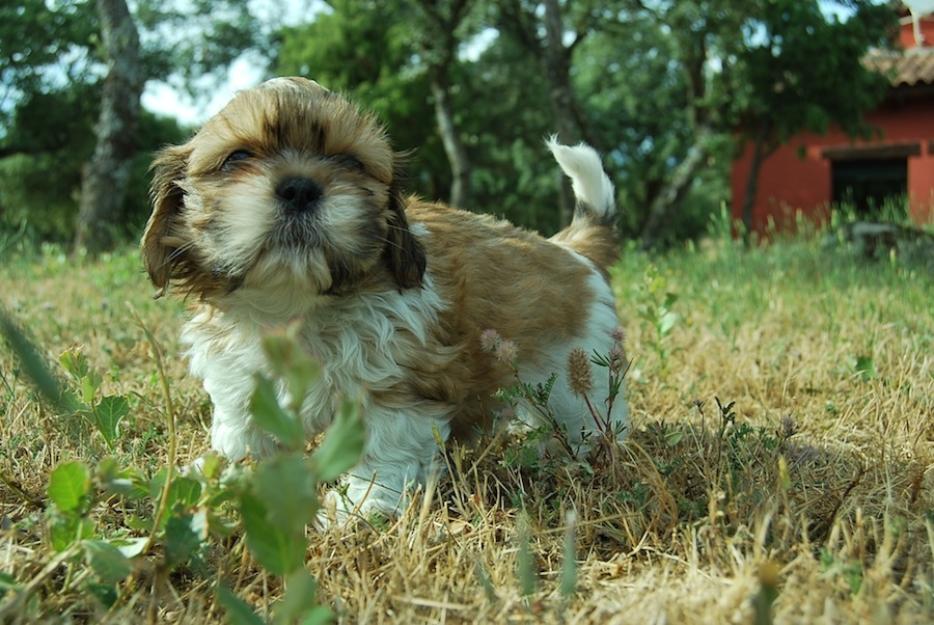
[
  {"x": 617, "y": 358},
  {"x": 506, "y": 352},
  {"x": 580, "y": 374},
  {"x": 489, "y": 340}
]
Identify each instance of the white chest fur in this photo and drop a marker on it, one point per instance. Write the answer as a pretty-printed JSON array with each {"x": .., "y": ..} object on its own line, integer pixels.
[{"x": 359, "y": 341}]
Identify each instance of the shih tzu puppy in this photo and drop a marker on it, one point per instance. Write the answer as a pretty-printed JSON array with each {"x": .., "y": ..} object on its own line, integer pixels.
[{"x": 286, "y": 208}]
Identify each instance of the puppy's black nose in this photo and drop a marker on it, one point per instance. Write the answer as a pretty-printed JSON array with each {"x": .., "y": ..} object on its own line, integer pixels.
[{"x": 298, "y": 194}]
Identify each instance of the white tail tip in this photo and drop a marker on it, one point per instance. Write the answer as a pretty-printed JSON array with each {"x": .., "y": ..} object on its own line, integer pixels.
[{"x": 592, "y": 187}]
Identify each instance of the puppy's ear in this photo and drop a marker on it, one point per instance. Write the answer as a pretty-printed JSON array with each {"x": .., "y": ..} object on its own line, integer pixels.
[
  {"x": 160, "y": 253},
  {"x": 404, "y": 254}
]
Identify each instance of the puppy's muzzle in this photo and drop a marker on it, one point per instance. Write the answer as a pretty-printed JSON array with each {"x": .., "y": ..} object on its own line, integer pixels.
[{"x": 298, "y": 195}]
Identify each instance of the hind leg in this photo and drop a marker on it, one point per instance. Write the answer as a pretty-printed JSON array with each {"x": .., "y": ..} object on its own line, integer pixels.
[{"x": 583, "y": 417}]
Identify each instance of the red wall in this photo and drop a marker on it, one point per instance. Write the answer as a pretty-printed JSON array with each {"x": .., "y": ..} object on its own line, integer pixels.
[
  {"x": 906, "y": 34},
  {"x": 797, "y": 176}
]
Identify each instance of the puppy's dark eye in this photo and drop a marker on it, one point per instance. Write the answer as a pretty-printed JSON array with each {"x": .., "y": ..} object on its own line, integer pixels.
[
  {"x": 235, "y": 157},
  {"x": 350, "y": 162}
]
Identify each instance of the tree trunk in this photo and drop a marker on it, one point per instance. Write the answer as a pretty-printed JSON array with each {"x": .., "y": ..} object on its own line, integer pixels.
[
  {"x": 525, "y": 24},
  {"x": 105, "y": 176},
  {"x": 557, "y": 62},
  {"x": 760, "y": 153},
  {"x": 453, "y": 145},
  {"x": 675, "y": 188}
]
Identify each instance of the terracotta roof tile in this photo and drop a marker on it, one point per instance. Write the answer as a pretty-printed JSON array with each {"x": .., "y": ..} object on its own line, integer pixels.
[{"x": 908, "y": 69}]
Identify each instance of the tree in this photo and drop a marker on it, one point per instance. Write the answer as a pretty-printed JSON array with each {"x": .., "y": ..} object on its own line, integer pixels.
[
  {"x": 106, "y": 175},
  {"x": 701, "y": 34},
  {"x": 52, "y": 92},
  {"x": 34, "y": 38},
  {"x": 765, "y": 69},
  {"x": 639, "y": 100},
  {"x": 541, "y": 28},
  {"x": 370, "y": 50},
  {"x": 439, "y": 42}
]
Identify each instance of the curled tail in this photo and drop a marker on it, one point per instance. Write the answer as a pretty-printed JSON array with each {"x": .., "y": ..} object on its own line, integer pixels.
[{"x": 592, "y": 232}]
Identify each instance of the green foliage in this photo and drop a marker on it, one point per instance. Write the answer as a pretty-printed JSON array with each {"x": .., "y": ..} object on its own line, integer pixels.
[
  {"x": 567, "y": 584},
  {"x": 865, "y": 367},
  {"x": 526, "y": 568},
  {"x": 657, "y": 309},
  {"x": 69, "y": 485},
  {"x": 7, "y": 583},
  {"x": 299, "y": 604},
  {"x": 850, "y": 571},
  {"x": 801, "y": 70},
  {"x": 270, "y": 416},
  {"x": 50, "y": 60},
  {"x": 109, "y": 565},
  {"x": 238, "y": 611},
  {"x": 281, "y": 550},
  {"x": 33, "y": 365},
  {"x": 272, "y": 505},
  {"x": 107, "y": 415},
  {"x": 342, "y": 445},
  {"x": 654, "y": 82},
  {"x": 35, "y": 35}
]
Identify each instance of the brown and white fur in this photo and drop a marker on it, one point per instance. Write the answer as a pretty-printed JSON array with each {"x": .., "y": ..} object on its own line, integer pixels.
[{"x": 391, "y": 294}]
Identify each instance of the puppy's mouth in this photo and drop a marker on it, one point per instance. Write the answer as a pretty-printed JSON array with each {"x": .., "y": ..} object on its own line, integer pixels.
[
  {"x": 296, "y": 232},
  {"x": 298, "y": 204}
]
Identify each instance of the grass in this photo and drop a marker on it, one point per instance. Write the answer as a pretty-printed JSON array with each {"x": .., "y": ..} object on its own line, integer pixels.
[{"x": 780, "y": 467}]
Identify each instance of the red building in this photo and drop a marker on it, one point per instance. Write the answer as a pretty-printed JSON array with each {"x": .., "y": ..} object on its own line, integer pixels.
[{"x": 811, "y": 172}]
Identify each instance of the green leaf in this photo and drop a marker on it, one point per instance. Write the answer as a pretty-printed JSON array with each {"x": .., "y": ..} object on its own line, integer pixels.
[
  {"x": 130, "y": 547},
  {"x": 667, "y": 322},
  {"x": 106, "y": 561},
  {"x": 105, "y": 593},
  {"x": 319, "y": 615},
  {"x": 184, "y": 491},
  {"x": 210, "y": 465},
  {"x": 65, "y": 529},
  {"x": 485, "y": 582},
  {"x": 287, "y": 488},
  {"x": 107, "y": 415},
  {"x": 128, "y": 482},
  {"x": 69, "y": 485},
  {"x": 181, "y": 540},
  {"x": 238, "y": 612},
  {"x": 525, "y": 561},
  {"x": 673, "y": 437},
  {"x": 278, "y": 550},
  {"x": 865, "y": 367},
  {"x": 342, "y": 446},
  {"x": 35, "y": 367},
  {"x": 89, "y": 386},
  {"x": 289, "y": 361},
  {"x": 74, "y": 362},
  {"x": 269, "y": 415},
  {"x": 7, "y": 583},
  {"x": 299, "y": 599}
]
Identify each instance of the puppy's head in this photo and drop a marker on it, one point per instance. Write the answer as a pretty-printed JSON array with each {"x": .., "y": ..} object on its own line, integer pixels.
[{"x": 290, "y": 186}]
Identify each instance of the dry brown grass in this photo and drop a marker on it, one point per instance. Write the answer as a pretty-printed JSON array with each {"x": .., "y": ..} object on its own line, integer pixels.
[{"x": 822, "y": 489}]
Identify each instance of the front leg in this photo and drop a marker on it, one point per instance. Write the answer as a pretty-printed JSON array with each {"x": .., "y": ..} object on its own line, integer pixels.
[
  {"x": 400, "y": 453},
  {"x": 228, "y": 363}
]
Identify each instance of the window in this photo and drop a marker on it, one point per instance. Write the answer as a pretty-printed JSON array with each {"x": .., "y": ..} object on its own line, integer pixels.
[{"x": 867, "y": 184}]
